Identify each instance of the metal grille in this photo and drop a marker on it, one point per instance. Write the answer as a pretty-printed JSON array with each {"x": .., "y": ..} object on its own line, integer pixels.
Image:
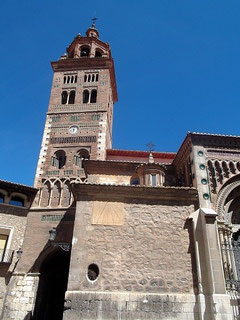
[{"x": 231, "y": 264}]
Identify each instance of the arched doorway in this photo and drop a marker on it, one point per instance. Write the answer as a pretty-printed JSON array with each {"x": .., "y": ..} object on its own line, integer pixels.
[{"x": 52, "y": 286}]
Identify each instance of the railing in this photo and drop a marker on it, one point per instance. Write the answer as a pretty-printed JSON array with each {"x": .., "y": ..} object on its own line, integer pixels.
[
  {"x": 6, "y": 256},
  {"x": 231, "y": 264}
]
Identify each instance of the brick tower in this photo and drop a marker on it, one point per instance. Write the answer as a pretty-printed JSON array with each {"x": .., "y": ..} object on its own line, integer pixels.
[{"x": 79, "y": 118}]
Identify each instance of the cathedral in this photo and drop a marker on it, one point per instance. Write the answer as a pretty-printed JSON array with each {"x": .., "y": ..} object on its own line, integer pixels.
[{"x": 111, "y": 234}]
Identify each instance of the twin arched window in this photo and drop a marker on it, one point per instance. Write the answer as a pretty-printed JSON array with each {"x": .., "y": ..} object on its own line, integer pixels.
[
  {"x": 85, "y": 52},
  {"x": 68, "y": 97},
  {"x": 70, "y": 79},
  {"x": 59, "y": 159},
  {"x": 92, "y": 96},
  {"x": 91, "y": 77},
  {"x": 82, "y": 154}
]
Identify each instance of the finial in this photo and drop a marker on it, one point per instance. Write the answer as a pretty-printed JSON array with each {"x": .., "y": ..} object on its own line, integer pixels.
[
  {"x": 94, "y": 22},
  {"x": 150, "y": 159}
]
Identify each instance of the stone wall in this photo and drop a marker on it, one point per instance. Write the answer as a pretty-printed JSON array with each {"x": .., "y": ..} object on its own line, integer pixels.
[
  {"x": 16, "y": 224},
  {"x": 150, "y": 252},
  {"x": 19, "y": 303},
  {"x": 145, "y": 256}
]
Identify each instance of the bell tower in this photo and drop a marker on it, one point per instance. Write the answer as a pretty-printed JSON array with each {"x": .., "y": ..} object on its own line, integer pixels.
[{"x": 79, "y": 117}]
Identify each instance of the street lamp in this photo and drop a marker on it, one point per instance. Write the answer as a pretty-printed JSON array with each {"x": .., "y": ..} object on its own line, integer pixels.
[
  {"x": 19, "y": 253},
  {"x": 52, "y": 234}
]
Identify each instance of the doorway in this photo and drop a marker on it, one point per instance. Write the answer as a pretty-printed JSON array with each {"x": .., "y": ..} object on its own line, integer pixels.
[{"x": 52, "y": 286}]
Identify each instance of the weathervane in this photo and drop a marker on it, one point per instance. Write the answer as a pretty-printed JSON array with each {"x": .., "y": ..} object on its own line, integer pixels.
[
  {"x": 94, "y": 22},
  {"x": 151, "y": 146}
]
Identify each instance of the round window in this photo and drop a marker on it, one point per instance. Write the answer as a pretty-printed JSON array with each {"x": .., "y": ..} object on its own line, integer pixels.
[
  {"x": 206, "y": 196},
  {"x": 202, "y": 166},
  {"x": 93, "y": 272},
  {"x": 200, "y": 153},
  {"x": 204, "y": 181}
]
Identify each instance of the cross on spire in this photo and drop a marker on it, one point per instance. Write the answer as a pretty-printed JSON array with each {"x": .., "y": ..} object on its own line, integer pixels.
[
  {"x": 150, "y": 146},
  {"x": 94, "y": 22}
]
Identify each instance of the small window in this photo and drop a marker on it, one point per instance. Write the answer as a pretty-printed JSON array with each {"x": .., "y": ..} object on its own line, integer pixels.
[
  {"x": 154, "y": 180},
  {"x": 17, "y": 201},
  {"x": 85, "y": 96},
  {"x": 64, "y": 79},
  {"x": 85, "y": 78},
  {"x": 71, "y": 97},
  {"x": 97, "y": 77},
  {"x": 93, "y": 272},
  {"x": 89, "y": 78},
  {"x": 93, "y": 96},
  {"x": 64, "y": 97}
]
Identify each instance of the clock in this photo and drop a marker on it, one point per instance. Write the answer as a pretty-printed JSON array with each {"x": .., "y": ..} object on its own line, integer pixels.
[{"x": 73, "y": 129}]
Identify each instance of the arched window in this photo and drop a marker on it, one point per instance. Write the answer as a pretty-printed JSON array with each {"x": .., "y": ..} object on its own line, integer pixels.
[
  {"x": 17, "y": 201},
  {"x": 82, "y": 154},
  {"x": 93, "y": 96},
  {"x": 1, "y": 197},
  {"x": 85, "y": 52},
  {"x": 85, "y": 78},
  {"x": 93, "y": 77},
  {"x": 85, "y": 96},
  {"x": 89, "y": 78},
  {"x": 68, "y": 79},
  {"x": 64, "y": 79},
  {"x": 59, "y": 159},
  {"x": 98, "y": 54},
  {"x": 71, "y": 97},
  {"x": 64, "y": 97},
  {"x": 134, "y": 180}
]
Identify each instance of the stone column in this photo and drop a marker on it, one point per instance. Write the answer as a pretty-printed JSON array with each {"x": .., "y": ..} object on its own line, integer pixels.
[{"x": 213, "y": 300}]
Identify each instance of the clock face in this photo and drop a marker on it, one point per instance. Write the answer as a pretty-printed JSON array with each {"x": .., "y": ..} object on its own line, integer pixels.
[{"x": 73, "y": 129}]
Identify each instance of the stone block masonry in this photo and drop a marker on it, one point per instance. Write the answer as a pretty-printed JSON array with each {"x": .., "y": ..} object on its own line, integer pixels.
[{"x": 21, "y": 296}]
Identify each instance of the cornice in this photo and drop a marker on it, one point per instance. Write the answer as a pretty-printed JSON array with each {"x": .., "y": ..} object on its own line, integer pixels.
[{"x": 135, "y": 192}]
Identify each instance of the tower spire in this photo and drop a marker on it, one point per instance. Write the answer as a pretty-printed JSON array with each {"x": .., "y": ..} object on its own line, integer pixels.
[
  {"x": 92, "y": 31},
  {"x": 94, "y": 22}
]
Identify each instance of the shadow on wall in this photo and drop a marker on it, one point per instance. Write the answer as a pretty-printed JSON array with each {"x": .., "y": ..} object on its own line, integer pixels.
[{"x": 64, "y": 234}]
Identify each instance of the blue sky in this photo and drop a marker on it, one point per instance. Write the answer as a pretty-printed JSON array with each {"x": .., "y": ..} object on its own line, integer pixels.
[{"x": 176, "y": 61}]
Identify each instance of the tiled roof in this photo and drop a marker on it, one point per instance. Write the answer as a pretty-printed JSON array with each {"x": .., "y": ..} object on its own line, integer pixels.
[
  {"x": 17, "y": 185},
  {"x": 139, "y": 153}
]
